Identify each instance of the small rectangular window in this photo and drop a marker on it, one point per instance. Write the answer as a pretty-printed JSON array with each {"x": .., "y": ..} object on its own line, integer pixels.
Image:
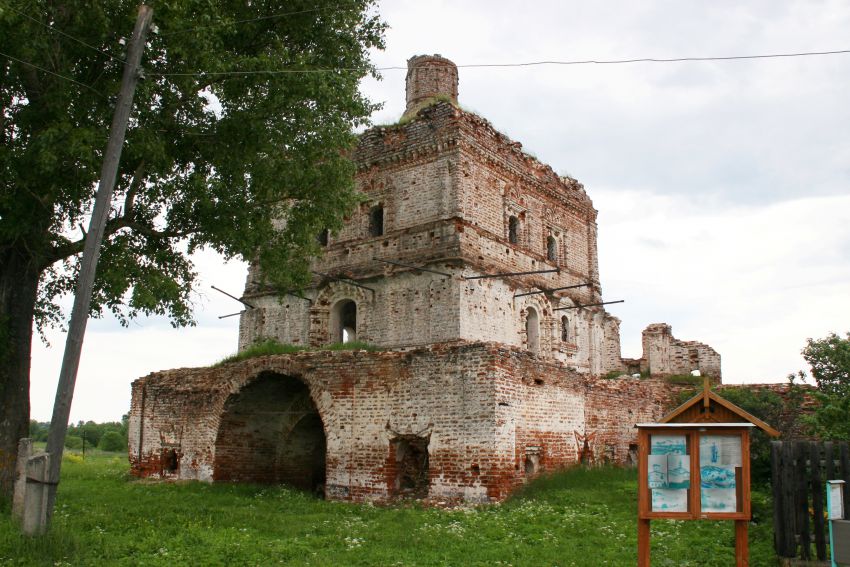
[
  {"x": 513, "y": 230},
  {"x": 376, "y": 220}
]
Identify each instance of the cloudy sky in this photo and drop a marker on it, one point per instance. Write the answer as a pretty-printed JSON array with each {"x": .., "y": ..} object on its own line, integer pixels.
[{"x": 723, "y": 187}]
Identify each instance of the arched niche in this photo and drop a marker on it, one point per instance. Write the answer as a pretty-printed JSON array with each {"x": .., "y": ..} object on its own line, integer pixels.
[{"x": 532, "y": 330}]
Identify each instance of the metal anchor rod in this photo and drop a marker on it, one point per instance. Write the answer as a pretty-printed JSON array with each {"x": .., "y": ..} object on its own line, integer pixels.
[
  {"x": 553, "y": 289},
  {"x": 589, "y": 305},
  {"x": 511, "y": 274},
  {"x": 413, "y": 267}
]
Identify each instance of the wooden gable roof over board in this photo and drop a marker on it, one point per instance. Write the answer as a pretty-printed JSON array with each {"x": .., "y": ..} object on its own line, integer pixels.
[{"x": 709, "y": 407}]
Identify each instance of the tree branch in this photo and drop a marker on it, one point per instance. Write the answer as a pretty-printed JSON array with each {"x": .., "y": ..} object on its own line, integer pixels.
[
  {"x": 112, "y": 226},
  {"x": 130, "y": 197}
]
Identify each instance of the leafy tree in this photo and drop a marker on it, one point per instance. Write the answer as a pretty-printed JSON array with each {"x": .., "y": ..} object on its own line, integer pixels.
[
  {"x": 217, "y": 148},
  {"x": 112, "y": 441},
  {"x": 779, "y": 411},
  {"x": 829, "y": 359},
  {"x": 38, "y": 430}
]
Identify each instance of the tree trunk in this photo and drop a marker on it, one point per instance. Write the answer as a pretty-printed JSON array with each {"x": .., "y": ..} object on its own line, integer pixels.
[{"x": 19, "y": 277}]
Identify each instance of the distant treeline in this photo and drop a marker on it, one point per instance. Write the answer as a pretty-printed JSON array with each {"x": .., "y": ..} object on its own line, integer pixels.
[{"x": 110, "y": 436}]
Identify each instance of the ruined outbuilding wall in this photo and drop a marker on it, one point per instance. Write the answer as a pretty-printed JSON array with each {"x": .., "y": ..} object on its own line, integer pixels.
[
  {"x": 614, "y": 406},
  {"x": 493, "y": 416},
  {"x": 665, "y": 355},
  {"x": 364, "y": 399}
]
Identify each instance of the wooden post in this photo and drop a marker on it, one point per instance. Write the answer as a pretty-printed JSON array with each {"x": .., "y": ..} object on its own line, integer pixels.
[
  {"x": 643, "y": 543},
  {"x": 742, "y": 544},
  {"x": 817, "y": 502},
  {"x": 803, "y": 531},
  {"x": 789, "y": 512},
  {"x": 91, "y": 253}
]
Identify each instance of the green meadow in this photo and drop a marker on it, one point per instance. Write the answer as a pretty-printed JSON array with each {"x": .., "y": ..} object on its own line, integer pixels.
[{"x": 574, "y": 518}]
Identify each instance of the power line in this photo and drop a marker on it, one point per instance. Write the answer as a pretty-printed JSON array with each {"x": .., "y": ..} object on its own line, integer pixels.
[
  {"x": 655, "y": 60},
  {"x": 33, "y": 65},
  {"x": 69, "y": 36},
  {"x": 257, "y": 19},
  {"x": 522, "y": 64}
]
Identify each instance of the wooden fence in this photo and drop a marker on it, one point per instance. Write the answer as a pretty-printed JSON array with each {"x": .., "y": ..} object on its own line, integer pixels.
[{"x": 799, "y": 473}]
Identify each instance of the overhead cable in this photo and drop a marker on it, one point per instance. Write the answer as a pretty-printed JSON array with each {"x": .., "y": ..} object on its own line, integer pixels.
[
  {"x": 69, "y": 36},
  {"x": 507, "y": 65},
  {"x": 34, "y": 66}
]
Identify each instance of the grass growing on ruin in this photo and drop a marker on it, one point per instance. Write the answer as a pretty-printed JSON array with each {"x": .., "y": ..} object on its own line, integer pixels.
[
  {"x": 684, "y": 379},
  {"x": 269, "y": 347},
  {"x": 580, "y": 518}
]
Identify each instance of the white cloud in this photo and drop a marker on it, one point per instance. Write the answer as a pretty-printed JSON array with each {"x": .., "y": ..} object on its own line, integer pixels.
[{"x": 752, "y": 281}]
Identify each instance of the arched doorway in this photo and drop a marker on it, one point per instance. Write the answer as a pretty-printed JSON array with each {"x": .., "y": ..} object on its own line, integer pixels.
[
  {"x": 271, "y": 432},
  {"x": 344, "y": 321}
]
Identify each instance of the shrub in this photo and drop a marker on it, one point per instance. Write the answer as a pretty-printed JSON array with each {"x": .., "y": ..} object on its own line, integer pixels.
[
  {"x": 685, "y": 379},
  {"x": 112, "y": 441}
]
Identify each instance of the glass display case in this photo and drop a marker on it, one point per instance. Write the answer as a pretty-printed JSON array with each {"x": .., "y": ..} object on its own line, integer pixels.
[{"x": 693, "y": 471}]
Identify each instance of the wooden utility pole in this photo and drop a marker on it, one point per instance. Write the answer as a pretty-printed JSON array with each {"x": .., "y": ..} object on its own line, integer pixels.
[{"x": 91, "y": 253}]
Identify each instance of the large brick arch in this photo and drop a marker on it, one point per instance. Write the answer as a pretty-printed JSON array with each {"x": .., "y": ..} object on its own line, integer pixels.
[{"x": 270, "y": 430}]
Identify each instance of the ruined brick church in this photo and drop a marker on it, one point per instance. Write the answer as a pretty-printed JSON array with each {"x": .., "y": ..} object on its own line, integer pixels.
[{"x": 472, "y": 268}]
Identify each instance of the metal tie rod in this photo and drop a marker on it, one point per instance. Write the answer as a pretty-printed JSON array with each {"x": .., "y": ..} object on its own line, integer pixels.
[
  {"x": 346, "y": 280},
  {"x": 511, "y": 274},
  {"x": 589, "y": 305},
  {"x": 231, "y": 315},
  {"x": 553, "y": 289},
  {"x": 413, "y": 267},
  {"x": 243, "y": 302}
]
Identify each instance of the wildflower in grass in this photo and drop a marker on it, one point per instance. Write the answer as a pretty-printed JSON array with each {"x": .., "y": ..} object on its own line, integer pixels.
[{"x": 353, "y": 542}]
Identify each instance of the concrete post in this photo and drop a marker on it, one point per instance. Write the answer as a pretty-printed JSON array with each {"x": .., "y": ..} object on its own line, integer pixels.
[
  {"x": 34, "y": 520},
  {"x": 24, "y": 453}
]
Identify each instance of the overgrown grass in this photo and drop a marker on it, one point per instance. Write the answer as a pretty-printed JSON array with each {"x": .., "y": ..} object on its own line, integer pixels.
[
  {"x": 270, "y": 346},
  {"x": 576, "y": 518},
  {"x": 613, "y": 374},
  {"x": 684, "y": 379},
  {"x": 424, "y": 103}
]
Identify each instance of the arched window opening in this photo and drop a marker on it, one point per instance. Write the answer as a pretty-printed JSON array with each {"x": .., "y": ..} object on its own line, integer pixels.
[
  {"x": 513, "y": 230},
  {"x": 323, "y": 237},
  {"x": 565, "y": 329},
  {"x": 344, "y": 322},
  {"x": 376, "y": 220},
  {"x": 532, "y": 330},
  {"x": 551, "y": 249}
]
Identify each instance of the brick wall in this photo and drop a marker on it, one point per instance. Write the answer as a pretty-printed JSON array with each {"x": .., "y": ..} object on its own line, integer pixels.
[
  {"x": 492, "y": 417},
  {"x": 665, "y": 355}
]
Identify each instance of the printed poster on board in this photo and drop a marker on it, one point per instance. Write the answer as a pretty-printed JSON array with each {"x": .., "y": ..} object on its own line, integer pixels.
[{"x": 719, "y": 457}]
